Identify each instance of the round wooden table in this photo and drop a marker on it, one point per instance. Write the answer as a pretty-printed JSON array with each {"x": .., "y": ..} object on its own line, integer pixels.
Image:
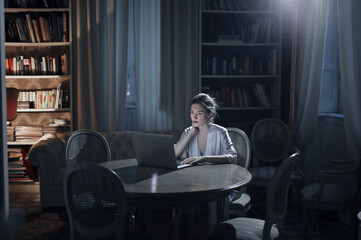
[{"x": 184, "y": 188}]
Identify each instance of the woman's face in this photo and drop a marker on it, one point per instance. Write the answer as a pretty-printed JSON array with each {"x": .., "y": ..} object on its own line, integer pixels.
[{"x": 199, "y": 115}]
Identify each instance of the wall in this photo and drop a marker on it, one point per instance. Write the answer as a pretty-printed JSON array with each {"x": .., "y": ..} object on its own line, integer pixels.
[{"x": 329, "y": 143}]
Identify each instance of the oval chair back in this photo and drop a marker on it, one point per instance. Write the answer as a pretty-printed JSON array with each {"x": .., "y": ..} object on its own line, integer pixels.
[
  {"x": 95, "y": 201},
  {"x": 86, "y": 146},
  {"x": 242, "y": 145}
]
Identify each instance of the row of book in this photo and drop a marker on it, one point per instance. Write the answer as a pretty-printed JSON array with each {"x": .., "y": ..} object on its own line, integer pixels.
[
  {"x": 246, "y": 65},
  {"x": 19, "y": 167},
  {"x": 36, "y": 3},
  {"x": 257, "y": 95},
  {"x": 40, "y": 99},
  {"x": 237, "y": 5},
  {"x": 33, "y": 133},
  {"x": 263, "y": 30},
  {"x": 47, "y": 27},
  {"x": 259, "y": 30},
  {"x": 46, "y": 65}
]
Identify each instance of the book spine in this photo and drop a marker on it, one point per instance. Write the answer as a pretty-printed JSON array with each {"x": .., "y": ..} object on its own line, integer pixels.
[{"x": 65, "y": 28}]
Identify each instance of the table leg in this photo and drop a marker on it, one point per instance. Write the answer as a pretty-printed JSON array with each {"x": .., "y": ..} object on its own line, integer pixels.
[
  {"x": 221, "y": 211},
  {"x": 183, "y": 222}
]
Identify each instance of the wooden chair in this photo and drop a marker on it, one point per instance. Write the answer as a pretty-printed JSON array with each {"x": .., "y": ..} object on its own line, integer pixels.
[
  {"x": 95, "y": 201},
  {"x": 86, "y": 146},
  {"x": 271, "y": 144},
  {"x": 252, "y": 228},
  {"x": 240, "y": 201}
]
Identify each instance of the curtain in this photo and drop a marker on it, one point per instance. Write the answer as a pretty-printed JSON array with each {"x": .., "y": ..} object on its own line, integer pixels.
[
  {"x": 180, "y": 69},
  {"x": 349, "y": 26},
  {"x": 100, "y": 41},
  {"x": 147, "y": 64},
  {"x": 166, "y": 50},
  {"x": 310, "y": 27}
]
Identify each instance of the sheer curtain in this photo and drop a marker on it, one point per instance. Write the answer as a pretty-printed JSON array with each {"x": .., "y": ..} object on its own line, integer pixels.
[
  {"x": 147, "y": 64},
  {"x": 166, "y": 50},
  {"x": 349, "y": 34},
  {"x": 100, "y": 39},
  {"x": 308, "y": 48}
]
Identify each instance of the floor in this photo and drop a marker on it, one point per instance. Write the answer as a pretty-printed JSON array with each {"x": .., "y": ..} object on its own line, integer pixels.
[{"x": 28, "y": 221}]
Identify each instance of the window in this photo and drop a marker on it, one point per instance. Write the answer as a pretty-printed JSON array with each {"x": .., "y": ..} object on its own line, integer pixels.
[
  {"x": 131, "y": 93},
  {"x": 131, "y": 99},
  {"x": 330, "y": 95}
]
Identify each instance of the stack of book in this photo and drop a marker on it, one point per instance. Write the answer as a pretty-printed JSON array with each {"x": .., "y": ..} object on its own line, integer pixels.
[
  {"x": 27, "y": 133},
  {"x": 57, "y": 126},
  {"x": 10, "y": 133},
  {"x": 19, "y": 167}
]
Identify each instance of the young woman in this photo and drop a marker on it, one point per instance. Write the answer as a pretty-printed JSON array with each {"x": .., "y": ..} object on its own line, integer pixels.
[{"x": 205, "y": 141}]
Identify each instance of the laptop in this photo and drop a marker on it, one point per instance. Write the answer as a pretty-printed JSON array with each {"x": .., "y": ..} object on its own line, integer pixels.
[{"x": 156, "y": 150}]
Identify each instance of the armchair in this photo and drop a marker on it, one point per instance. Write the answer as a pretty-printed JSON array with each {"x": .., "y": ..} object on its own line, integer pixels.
[{"x": 338, "y": 190}]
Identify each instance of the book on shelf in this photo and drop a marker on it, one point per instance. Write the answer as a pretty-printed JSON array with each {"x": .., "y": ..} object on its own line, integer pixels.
[
  {"x": 27, "y": 133},
  {"x": 19, "y": 167},
  {"x": 37, "y": 27},
  {"x": 45, "y": 65},
  {"x": 227, "y": 5},
  {"x": 241, "y": 65},
  {"x": 10, "y": 133},
  {"x": 226, "y": 96},
  {"x": 55, "y": 129},
  {"x": 260, "y": 91},
  {"x": 44, "y": 99},
  {"x": 65, "y": 28},
  {"x": 36, "y": 4}
]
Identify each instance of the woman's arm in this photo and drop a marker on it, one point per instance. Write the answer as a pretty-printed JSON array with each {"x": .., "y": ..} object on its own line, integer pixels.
[
  {"x": 182, "y": 143},
  {"x": 217, "y": 159}
]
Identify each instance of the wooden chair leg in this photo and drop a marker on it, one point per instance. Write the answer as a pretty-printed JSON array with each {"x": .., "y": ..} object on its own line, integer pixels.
[{"x": 306, "y": 214}]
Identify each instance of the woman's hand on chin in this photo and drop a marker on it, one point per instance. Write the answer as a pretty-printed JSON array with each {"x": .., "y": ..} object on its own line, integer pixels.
[
  {"x": 194, "y": 130},
  {"x": 194, "y": 160}
]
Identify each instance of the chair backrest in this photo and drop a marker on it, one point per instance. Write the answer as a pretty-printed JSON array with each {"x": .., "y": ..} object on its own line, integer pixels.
[
  {"x": 86, "y": 146},
  {"x": 271, "y": 140},
  {"x": 277, "y": 194},
  {"x": 242, "y": 145},
  {"x": 11, "y": 103},
  {"x": 95, "y": 200}
]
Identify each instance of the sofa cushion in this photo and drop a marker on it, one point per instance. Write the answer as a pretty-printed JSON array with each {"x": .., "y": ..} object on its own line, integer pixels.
[{"x": 121, "y": 144}]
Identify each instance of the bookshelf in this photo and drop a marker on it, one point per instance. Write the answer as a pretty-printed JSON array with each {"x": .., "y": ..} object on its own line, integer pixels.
[
  {"x": 240, "y": 59},
  {"x": 38, "y": 52}
]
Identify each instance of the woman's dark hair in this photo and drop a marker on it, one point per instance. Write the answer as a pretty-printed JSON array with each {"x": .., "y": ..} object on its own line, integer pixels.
[{"x": 207, "y": 102}]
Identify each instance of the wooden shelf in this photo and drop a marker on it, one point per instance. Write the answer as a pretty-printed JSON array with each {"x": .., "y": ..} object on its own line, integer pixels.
[
  {"x": 240, "y": 44},
  {"x": 20, "y": 10},
  {"x": 37, "y": 44},
  {"x": 246, "y": 108},
  {"x": 25, "y": 51},
  {"x": 241, "y": 71},
  {"x": 267, "y": 12},
  {"x": 240, "y": 76},
  {"x": 37, "y": 110},
  {"x": 26, "y": 77},
  {"x": 15, "y": 143}
]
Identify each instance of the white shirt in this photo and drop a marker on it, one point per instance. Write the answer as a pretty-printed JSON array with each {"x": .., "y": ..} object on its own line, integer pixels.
[{"x": 218, "y": 143}]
